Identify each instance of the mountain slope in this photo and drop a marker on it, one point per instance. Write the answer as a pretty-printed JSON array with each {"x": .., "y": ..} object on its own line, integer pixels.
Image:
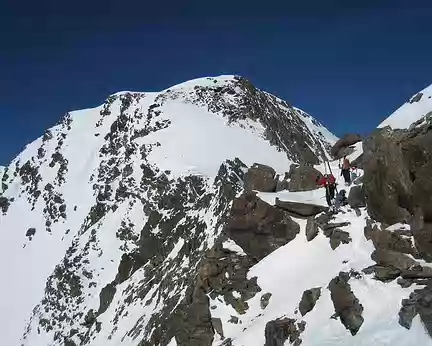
[
  {"x": 107, "y": 216},
  {"x": 415, "y": 110}
]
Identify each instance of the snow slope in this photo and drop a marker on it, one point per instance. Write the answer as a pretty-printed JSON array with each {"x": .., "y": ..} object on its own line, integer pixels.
[
  {"x": 411, "y": 111},
  {"x": 80, "y": 195}
]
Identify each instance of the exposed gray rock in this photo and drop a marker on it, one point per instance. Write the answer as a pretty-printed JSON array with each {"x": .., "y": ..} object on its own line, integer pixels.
[
  {"x": 278, "y": 331},
  {"x": 356, "y": 197},
  {"x": 261, "y": 178},
  {"x": 404, "y": 283},
  {"x": 383, "y": 273},
  {"x": 339, "y": 149},
  {"x": 217, "y": 325},
  {"x": 392, "y": 258},
  {"x": 311, "y": 229},
  {"x": 417, "y": 272},
  {"x": 300, "y": 209},
  {"x": 258, "y": 227},
  {"x": 337, "y": 237},
  {"x": 347, "y": 306},
  {"x": 309, "y": 300},
  {"x": 264, "y": 301},
  {"x": 388, "y": 240},
  {"x": 303, "y": 178}
]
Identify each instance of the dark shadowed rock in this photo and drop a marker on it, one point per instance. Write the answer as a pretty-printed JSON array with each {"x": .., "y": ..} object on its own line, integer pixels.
[
  {"x": 387, "y": 183},
  {"x": 417, "y": 272},
  {"x": 261, "y": 178},
  {"x": 392, "y": 258},
  {"x": 264, "y": 301},
  {"x": 339, "y": 149},
  {"x": 356, "y": 197},
  {"x": 217, "y": 325},
  {"x": 309, "y": 300},
  {"x": 300, "y": 209},
  {"x": 388, "y": 240},
  {"x": 311, "y": 228},
  {"x": 337, "y": 237},
  {"x": 416, "y": 98},
  {"x": 303, "y": 178},
  {"x": 347, "y": 306},
  {"x": 404, "y": 283},
  {"x": 423, "y": 240},
  {"x": 258, "y": 227},
  {"x": 280, "y": 330},
  {"x": 383, "y": 273}
]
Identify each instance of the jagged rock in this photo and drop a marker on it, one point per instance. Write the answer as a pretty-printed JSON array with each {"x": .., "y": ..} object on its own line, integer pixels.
[
  {"x": 388, "y": 240},
  {"x": 392, "y": 258},
  {"x": 311, "y": 228},
  {"x": 356, "y": 197},
  {"x": 259, "y": 228},
  {"x": 309, "y": 300},
  {"x": 303, "y": 178},
  {"x": 417, "y": 272},
  {"x": 419, "y": 302},
  {"x": 264, "y": 301},
  {"x": 339, "y": 149},
  {"x": 329, "y": 226},
  {"x": 383, "y": 273},
  {"x": 404, "y": 283},
  {"x": 260, "y": 177},
  {"x": 217, "y": 325},
  {"x": 416, "y": 98},
  {"x": 4, "y": 204},
  {"x": 337, "y": 237},
  {"x": 300, "y": 209},
  {"x": 347, "y": 306},
  {"x": 357, "y": 211},
  {"x": 31, "y": 232},
  {"x": 278, "y": 331},
  {"x": 386, "y": 182},
  {"x": 323, "y": 219},
  {"x": 422, "y": 233}
]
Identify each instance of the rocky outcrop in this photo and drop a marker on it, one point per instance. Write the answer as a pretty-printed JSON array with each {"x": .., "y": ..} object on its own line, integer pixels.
[
  {"x": 258, "y": 227},
  {"x": 419, "y": 302},
  {"x": 347, "y": 306},
  {"x": 311, "y": 228},
  {"x": 392, "y": 258},
  {"x": 356, "y": 197},
  {"x": 278, "y": 331},
  {"x": 309, "y": 299},
  {"x": 300, "y": 209},
  {"x": 337, "y": 237},
  {"x": 261, "y": 178},
  {"x": 388, "y": 240},
  {"x": 386, "y": 180},
  {"x": 341, "y": 147},
  {"x": 303, "y": 178},
  {"x": 382, "y": 273}
]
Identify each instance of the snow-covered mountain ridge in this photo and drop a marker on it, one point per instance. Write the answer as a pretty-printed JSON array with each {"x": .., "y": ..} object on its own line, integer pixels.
[{"x": 106, "y": 217}]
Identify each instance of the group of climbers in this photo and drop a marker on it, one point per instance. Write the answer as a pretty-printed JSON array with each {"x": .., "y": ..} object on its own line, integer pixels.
[{"x": 329, "y": 182}]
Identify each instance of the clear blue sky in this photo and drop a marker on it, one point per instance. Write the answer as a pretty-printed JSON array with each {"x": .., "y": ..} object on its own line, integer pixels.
[{"x": 349, "y": 67}]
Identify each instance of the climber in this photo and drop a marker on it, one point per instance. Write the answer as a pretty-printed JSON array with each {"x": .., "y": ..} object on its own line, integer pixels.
[
  {"x": 345, "y": 170},
  {"x": 340, "y": 200},
  {"x": 329, "y": 182}
]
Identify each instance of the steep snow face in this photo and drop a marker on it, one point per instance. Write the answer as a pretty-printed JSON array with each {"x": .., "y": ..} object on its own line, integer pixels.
[
  {"x": 417, "y": 109},
  {"x": 105, "y": 218}
]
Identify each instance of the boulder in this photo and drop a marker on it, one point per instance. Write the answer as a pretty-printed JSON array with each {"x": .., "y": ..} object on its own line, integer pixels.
[
  {"x": 356, "y": 197},
  {"x": 303, "y": 178},
  {"x": 347, "y": 306},
  {"x": 337, "y": 237},
  {"x": 300, "y": 209},
  {"x": 258, "y": 227},
  {"x": 280, "y": 330},
  {"x": 309, "y": 299},
  {"x": 387, "y": 183},
  {"x": 339, "y": 149},
  {"x": 392, "y": 258},
  {"x": 383, "y": 273},
  {"x": 311, "y": 228},
  {"x": 388, "y": 240},
  {"x": 423, "y": 241},
  {"x": 261, "y": 178}
]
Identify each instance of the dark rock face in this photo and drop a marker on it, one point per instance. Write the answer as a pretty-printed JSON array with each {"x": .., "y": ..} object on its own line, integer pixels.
[
  {"x": 300, "y": 209},
  {"x": 388, "y": 240},
  {"x": 383, "y": 273},
  {"x": 309, "y": 300},
  {"x": 347, "y": 306},
  {"x": 340, "y": 147},
  {"x": 264, "y": 301},
  {"x": 260, "y": 178},
  {"x": 392, "y": 258},
  {"x": 303, "y": 178},
  {"x": 259, "y": 228},
  {"x": 311, "y": 229},
  {"x": 386, "y": 180},
  {"x": 416, "y": 98},
  {"x": 280, "y": 330},
  {"x": 423, "y": 241},
  {"x": 337, "y": 237},
  {"x": 356, "y": 197},
  {"x": 419, "y": 302}
]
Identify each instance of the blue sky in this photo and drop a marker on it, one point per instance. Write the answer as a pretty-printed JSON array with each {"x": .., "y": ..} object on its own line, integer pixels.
[{"x": 350, "y": 67}]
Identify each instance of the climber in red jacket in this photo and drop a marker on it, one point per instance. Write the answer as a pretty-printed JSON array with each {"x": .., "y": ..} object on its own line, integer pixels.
[{"x": 329, "y": 182}]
